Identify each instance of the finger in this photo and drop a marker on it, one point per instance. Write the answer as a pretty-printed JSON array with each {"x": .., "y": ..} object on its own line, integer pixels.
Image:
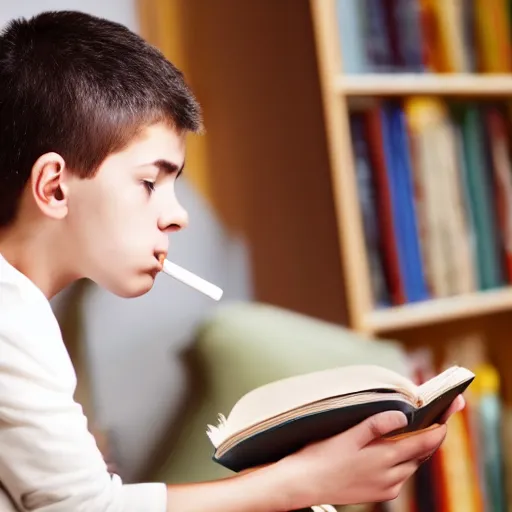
[
  {"x": 401, "y": 473},
  {"x": 377, "y": 426},
  {"x": 419, "y": 446},
  {"x": 457, "y": 405}
]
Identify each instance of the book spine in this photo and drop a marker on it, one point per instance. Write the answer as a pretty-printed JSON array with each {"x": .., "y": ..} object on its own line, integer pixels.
[
  {"x": 367, "y": 200},
  {"x": 437, "y": 223}
]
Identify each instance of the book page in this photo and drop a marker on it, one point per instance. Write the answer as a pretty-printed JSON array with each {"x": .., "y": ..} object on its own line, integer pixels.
[
  {"x": 443, "y": 382},
  {"x": 287, "y": 394}
]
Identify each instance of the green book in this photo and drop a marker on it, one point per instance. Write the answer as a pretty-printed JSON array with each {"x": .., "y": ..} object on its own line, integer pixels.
[{"x": 477, "y": 174}]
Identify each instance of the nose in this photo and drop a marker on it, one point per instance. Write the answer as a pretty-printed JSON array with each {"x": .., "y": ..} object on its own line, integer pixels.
[{"x": 175, "y": 219}]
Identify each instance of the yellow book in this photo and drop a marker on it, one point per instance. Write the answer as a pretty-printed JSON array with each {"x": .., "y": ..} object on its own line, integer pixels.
[
  {"x": 445, "y": 237},
  {"x": 454, "y": 56}
]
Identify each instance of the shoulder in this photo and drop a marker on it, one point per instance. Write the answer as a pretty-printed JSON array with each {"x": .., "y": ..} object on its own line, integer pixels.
[
  {"x": 16, "y": 289},
  {"x": 30, "y": 336},
  {"x": 22, "y": 301}
]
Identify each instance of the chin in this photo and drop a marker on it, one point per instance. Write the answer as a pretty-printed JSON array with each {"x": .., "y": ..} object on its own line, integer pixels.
[{"x": 132, "y": 288}]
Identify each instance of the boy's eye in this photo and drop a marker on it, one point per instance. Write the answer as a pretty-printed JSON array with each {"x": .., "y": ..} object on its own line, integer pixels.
[{"x": 150, "y": 186}]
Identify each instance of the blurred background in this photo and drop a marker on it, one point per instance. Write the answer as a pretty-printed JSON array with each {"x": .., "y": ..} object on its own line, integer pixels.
[{"x": 351, "y": 195}]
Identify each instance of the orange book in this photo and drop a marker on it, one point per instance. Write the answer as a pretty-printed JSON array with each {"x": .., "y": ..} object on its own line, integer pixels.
[
  {"x": 433, "y": 48},
  {"x": 461, "y": 479},
  {"x": 493, "y": 36},
  {"x": 462, "y": 469}
]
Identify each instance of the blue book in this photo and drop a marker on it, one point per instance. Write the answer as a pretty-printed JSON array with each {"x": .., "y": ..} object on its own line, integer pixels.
[
  {"x": 350, "y": 29},
  {"x": 367, "y": 201},
  {"x": 405, "y": 171},
  {"x": 399, "y": 171}
]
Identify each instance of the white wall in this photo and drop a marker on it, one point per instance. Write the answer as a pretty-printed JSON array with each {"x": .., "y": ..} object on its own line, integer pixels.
[
  {"x": 133, "y": 345},
  {"x": 123, "y": 11}
]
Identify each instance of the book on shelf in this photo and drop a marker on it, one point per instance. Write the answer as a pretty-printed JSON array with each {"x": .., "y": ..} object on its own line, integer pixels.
[
  {"x": 425, "y": 36},
  {"x": 281, "y": 417},
  {"x": 472, "y": 470},
  {"x": 435, "y": 189}
]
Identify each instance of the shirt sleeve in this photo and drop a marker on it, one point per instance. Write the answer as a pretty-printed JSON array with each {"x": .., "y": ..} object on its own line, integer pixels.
[{"x": 49, "y": 461}]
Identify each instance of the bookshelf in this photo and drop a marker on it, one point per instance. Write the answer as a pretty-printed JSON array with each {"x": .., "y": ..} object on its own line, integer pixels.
[
  {"x": 339, "y": 90},
  {"x": 400, "y": 84},
  {"x": 454, "y": 323}
]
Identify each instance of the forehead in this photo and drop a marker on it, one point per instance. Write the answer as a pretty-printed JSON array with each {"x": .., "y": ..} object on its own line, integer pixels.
[{"x": 155, "y": 142}]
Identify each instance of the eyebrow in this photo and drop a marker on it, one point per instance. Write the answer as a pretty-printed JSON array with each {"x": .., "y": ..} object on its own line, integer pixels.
[{"x": 168, "y": 167}]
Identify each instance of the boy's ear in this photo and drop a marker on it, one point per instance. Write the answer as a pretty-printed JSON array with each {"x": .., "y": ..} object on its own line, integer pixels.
[{"x": 49, "y": 189}]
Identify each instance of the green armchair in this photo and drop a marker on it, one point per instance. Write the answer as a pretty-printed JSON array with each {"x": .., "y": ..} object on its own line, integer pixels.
[{"x": 245, "y": 345}]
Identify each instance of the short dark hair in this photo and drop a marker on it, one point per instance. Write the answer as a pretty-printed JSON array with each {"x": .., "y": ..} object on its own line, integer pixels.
[{"x": 81, "y": 86}]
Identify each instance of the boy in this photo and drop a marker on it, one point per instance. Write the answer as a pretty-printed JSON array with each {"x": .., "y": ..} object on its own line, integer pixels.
[{"x": 93, "y": 128}]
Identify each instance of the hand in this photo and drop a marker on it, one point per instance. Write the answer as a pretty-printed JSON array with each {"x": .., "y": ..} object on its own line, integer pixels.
[{"x": 357, "y": 466}]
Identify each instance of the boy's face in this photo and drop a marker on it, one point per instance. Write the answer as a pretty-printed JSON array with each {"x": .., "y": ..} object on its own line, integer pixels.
[{"x": 118, "y": 222}]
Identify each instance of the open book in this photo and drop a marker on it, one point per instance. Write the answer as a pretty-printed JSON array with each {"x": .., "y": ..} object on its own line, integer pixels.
[{"x": 279, "y": 418}]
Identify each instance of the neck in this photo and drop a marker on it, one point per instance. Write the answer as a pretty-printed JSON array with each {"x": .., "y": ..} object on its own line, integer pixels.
[{"x": 37, "y": 253}]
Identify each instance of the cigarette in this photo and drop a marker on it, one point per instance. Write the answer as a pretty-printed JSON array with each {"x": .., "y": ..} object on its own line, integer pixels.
[{"x": 192, "y": 280}]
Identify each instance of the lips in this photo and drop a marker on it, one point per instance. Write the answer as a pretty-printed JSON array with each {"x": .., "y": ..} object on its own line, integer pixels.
[{"x": 160, "y": 257}]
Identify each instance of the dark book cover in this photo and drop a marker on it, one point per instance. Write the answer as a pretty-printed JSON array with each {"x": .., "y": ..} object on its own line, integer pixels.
[{"x": 276, "y": 443}]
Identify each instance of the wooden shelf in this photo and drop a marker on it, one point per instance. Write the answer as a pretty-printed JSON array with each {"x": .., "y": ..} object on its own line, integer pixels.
[
  {"x": 414, "y": 83},
  {"x": 440, "y": 310}
]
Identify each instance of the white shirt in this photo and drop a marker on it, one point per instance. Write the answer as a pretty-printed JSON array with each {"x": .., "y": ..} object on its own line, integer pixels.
[{"x": 49, "y": 462}]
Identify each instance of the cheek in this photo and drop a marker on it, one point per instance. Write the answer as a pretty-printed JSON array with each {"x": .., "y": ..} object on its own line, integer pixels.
[
  {"x": 127, "y": 224},
  {"x": 113, "y": 225}
]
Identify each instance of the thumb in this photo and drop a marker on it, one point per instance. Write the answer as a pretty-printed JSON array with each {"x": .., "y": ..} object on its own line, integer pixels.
[{"x": 378, "y": 426}]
